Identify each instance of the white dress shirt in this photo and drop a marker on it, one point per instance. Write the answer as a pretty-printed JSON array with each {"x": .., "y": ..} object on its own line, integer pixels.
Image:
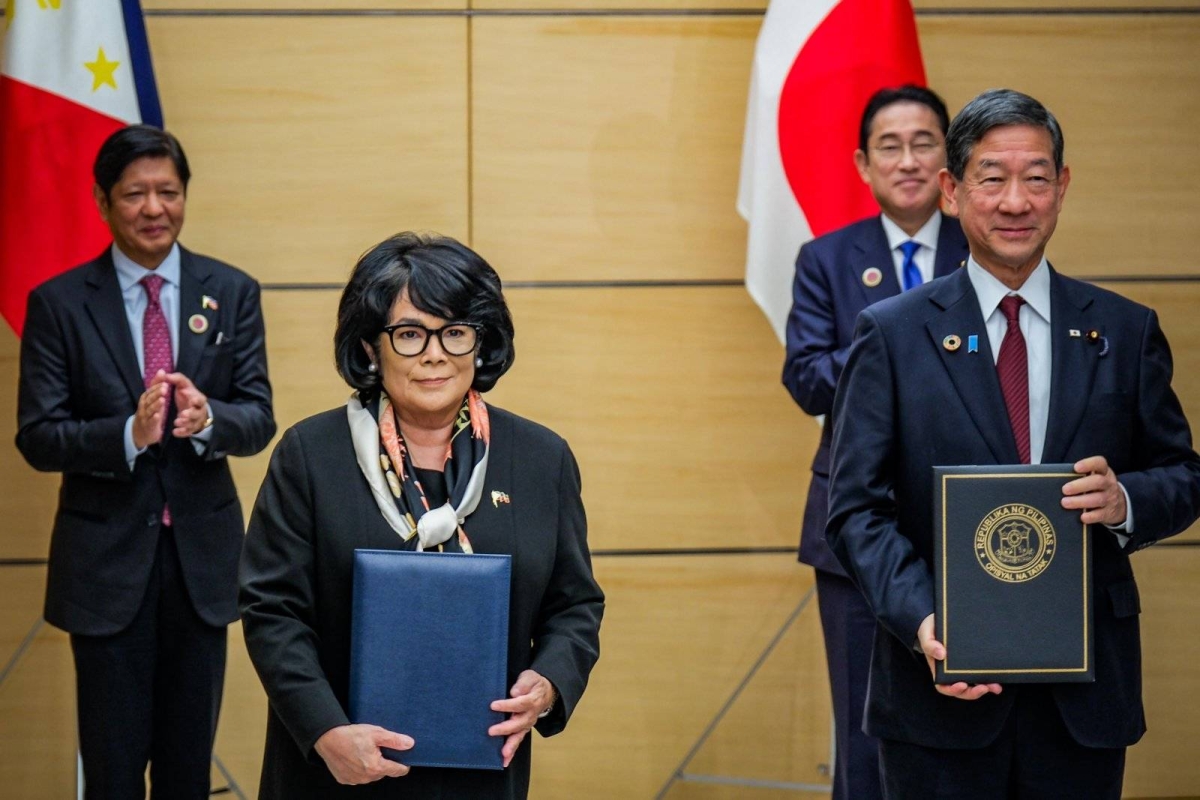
[
  {"x": 1034, "y": 321},
  {"x": 926, "y": 254}
]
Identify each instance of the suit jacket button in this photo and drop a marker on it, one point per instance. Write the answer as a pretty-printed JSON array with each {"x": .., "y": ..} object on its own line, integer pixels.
[{"x": 151, "y": 520}]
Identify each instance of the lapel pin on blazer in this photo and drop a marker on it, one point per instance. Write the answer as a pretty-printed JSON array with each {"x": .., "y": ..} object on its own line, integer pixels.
[
  {"x": 1074, "y": 333},
  {"x": 197, "y": 323},
  {"x": 498, "y": 498},
  {"x": 973, "y": 343},
  {"x": 1094, "y": 336},
  {"x": 952, "y": 342},
  {"x": 872, "y": 277},
  {"x": 209, "y": 302}
]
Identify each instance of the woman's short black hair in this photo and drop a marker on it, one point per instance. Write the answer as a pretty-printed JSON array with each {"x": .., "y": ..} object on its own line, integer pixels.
[
  {"x": 127, "y": 145},
  {"x": 443, "y": 277}
]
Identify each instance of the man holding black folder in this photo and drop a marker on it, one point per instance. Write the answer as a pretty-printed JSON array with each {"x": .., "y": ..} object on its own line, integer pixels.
[{"x": 1005, "y": 362}]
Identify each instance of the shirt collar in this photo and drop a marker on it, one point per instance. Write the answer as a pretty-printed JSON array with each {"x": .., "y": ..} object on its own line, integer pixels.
[
  {"x": 129, "y": 272},
  {"x": 927, "y": 236},
  {"x": 990, "y": 291}
]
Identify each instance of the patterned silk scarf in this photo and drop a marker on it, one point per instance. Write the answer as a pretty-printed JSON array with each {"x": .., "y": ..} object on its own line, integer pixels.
[{"x": 385, "y": 462}]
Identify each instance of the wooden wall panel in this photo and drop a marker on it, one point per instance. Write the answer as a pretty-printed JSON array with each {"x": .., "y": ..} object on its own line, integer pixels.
[
  {"x": 749, "y": 6},
  {"x": 1164, "y": 763},
  {"x": 1058, "y": 6},
  {"x": 608, "y": 147},
  {"x": 28, "y": 498},
  {"x": 1123, "y": 88},
  {"x": 788, "y": 696},
  {"x": 617, "y": 5},
  {"x": 209, "y": 6},
  {"x": 310, "y": 138},
  {"x": 672, "y": 401}
]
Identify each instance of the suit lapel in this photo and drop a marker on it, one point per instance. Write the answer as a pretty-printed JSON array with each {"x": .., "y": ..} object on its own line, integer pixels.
[
  {"x": 873, "y": 251},
  {"x": 951, "y": 249},
  {"x": 491, "y": 528},
  {"x": 193, "y": 276},
  {"x": 1073, "y": 365},
  {"x": 106, "y": 307},
  {"x": 973, "y": 374}
]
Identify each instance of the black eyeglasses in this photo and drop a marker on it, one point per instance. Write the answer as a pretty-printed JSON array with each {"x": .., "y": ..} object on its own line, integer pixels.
[{"x": 456, "y": 339}]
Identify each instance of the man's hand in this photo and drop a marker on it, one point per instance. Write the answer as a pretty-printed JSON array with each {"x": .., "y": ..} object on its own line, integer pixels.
[
  {"x": 1097, "y": 494},
  {"x": 191, "y": 404},
  {"x": 151, "y": 412},
  {"x": 531, "y": 695},
  {"x": 936, "y": 651},
  {"x": 352, "y": 753}
]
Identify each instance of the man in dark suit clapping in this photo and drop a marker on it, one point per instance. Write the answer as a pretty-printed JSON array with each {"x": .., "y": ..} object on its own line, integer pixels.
[{"x": 141, "y": 371}]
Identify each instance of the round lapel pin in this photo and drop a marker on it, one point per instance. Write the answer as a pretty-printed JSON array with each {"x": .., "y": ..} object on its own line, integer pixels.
[
  {"x": 197, "y": 323},
  {"x": 872, "y": 277},
  {"x": 952, "y": 343}
]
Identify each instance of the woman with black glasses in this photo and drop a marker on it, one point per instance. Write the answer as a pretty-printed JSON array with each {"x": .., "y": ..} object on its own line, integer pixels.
[{"x": 418, "y": 461}]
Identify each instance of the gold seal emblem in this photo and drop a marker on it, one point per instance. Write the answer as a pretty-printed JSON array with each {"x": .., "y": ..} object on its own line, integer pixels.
[
  {"x": 872, "y": 277},
  {"x": 1015, "y": 543},
  {"x": 952, "y": 343}
]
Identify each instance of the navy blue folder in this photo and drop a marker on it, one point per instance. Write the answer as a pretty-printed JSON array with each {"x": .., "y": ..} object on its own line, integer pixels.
[{"x": 429, "y": 652}]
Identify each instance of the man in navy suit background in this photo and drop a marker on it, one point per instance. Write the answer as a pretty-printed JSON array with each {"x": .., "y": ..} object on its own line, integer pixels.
[
  {"x": 1065, "y": 372},
  {"x": 901, "y": 149},
  {"x": 140, "y": 372}
]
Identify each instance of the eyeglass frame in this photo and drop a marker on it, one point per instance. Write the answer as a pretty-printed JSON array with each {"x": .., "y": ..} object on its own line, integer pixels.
[
  {"x": 894, "y": 152},
  {"x": 430, "y": 333}
]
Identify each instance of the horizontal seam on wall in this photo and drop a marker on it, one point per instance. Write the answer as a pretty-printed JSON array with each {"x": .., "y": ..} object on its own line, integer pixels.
[
  {"x": 637, "y": 552},
  {"x": 699, "y": 283},
  {"x": 957, "y": 11}
]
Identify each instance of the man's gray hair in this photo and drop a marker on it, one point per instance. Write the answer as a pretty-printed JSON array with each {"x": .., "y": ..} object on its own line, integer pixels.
[{"x": 996, "y": 108}]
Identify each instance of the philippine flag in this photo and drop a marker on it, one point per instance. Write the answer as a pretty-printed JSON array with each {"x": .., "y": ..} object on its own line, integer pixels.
[
  {"x": 73, "y": 71},
  {"x": 816, "y": 64}
]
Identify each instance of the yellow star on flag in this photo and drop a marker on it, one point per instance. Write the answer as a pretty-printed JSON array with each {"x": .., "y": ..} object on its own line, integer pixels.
[{"x": 102, "y": 71}]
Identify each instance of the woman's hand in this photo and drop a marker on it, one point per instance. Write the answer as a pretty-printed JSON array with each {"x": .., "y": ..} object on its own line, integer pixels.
[
  {"x": 352, "y": 753},
  {"x": 530, "y": 696}
]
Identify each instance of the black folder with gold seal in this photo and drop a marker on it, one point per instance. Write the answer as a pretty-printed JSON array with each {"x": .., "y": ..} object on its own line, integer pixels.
[{"x": 1012, "y": 576}]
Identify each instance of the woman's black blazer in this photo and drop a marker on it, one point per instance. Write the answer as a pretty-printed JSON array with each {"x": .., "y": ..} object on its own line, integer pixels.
[{"x": 315, "y": 508}]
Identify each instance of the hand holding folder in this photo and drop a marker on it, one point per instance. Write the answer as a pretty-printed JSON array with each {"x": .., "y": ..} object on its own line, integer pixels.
[
  {"x": 354, "y": 756},
  {"x": 532, "y": 695}
]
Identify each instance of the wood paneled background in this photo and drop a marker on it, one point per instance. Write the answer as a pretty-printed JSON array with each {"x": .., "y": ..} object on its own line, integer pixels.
[{"x": 597, "y": 143}]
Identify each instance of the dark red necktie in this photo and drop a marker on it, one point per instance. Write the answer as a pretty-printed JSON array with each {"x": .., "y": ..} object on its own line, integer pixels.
[
  {"x": 1013, "y": 369},
  {"x": 156, "y": 345}
]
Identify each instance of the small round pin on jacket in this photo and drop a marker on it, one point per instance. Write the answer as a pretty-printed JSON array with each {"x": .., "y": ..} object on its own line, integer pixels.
[
  {"x": 197, "y": 323},
  {"x": 952, "y": 342}
]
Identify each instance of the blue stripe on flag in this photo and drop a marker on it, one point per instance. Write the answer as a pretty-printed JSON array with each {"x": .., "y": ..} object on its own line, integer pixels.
[{"x": 143, "y": 69}]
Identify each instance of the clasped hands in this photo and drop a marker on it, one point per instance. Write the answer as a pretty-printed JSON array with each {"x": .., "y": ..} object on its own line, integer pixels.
[
  {"x": 1099, "y": 496},
  {"x": 150, "y": 417},
  {"x": 352, "y": 752}
]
